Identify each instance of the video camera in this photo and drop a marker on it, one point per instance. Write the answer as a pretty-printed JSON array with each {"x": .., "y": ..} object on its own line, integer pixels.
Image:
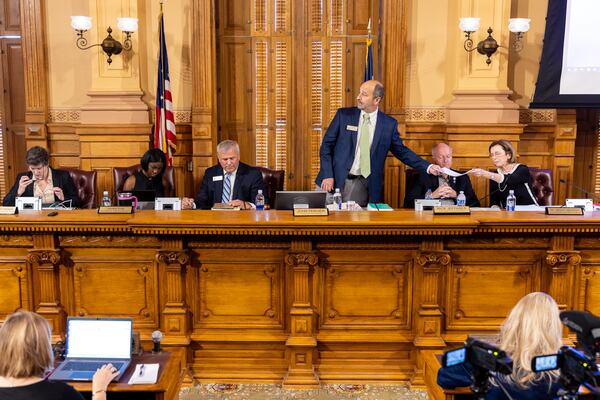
[
  {"x": 484, "y": 358},
  {"x": 575, "y": 367}
]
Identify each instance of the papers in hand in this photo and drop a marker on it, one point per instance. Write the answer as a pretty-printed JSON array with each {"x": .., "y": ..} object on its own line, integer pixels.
[
  {"x": 144, "y": 373},
  {"x": 450, "y": 172}
]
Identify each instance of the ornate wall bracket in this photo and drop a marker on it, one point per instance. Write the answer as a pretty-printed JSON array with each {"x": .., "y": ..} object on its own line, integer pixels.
[{"x": 302, "y": 343}]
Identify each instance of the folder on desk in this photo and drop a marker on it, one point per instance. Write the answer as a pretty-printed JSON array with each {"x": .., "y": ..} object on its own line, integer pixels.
[{"x": 144, "y": 374}]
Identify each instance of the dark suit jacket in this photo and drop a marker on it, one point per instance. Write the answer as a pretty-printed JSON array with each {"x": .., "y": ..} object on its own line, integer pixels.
[
  {"x": 248, "y": 181},
  {"x": 339, "y": 145},
  {"x": 426, "y": 181},
  {"x": 60, "y": 178}
]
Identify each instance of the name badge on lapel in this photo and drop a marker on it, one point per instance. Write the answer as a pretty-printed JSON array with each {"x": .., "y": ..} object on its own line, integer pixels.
[
  {"x": 352, "y": 128},
  {"x": 217, "y": 178}
]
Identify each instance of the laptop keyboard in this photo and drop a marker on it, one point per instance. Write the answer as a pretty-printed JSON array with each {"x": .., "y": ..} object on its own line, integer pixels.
[{"x": 88, "y": 365}]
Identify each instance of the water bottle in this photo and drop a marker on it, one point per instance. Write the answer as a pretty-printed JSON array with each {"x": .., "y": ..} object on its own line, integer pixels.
[
  {"x": 260, "y": 200},
  {"x": 337, "y": 199},
  {"x": 511, "y": 201},
  {"x": 461, "y": 199},
  {"x": 106, "y": 199},
  {"x": 428, "y": 195}
]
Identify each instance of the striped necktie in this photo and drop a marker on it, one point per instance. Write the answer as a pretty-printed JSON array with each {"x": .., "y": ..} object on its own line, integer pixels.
[
  {"x": 365, "y": 147},
  {"x": 226, "y": 197}
]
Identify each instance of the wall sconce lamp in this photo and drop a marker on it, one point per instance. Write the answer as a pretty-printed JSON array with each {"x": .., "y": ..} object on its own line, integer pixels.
[
  {"x": 489, "y": 45},
  {"x": 110, "y": 45}
]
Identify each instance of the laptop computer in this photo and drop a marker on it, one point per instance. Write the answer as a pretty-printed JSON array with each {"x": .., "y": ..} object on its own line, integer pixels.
[{"x": 91, "y": 343}]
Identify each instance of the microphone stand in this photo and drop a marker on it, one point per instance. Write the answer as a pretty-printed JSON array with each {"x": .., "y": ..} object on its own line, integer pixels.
[{"x": 582, "y": 190}]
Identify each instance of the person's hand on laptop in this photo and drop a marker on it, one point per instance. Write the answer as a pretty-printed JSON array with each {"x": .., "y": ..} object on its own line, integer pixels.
[{"x": 101, "y": 379}]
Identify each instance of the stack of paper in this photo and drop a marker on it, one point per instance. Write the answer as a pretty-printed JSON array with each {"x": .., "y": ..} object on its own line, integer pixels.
[{"x": 144, "y": 373}]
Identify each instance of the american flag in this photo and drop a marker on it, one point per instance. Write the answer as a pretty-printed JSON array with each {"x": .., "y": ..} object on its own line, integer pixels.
[{"x": 165, "y": 137}]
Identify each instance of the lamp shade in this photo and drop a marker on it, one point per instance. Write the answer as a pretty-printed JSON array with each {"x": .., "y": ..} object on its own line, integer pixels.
[
  {"x": 518, "y": 24},
  {"x": 469, "y": 24},
  {"x": 81, "y": 22},
  {"x": 127, "y": 24}
]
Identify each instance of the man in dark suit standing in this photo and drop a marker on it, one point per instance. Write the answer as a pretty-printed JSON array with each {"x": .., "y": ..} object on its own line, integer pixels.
[
  {"x": 230, "y": 182},
  {"x": 443, "y": 186},
  {"x": 355, "y": 146}
]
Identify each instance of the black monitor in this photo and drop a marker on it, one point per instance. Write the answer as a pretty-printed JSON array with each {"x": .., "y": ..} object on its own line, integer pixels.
[{"x": 290, "y": 200}]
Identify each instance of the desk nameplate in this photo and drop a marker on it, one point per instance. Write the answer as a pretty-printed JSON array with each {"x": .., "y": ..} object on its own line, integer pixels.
[
  {"x": 6, "y": 210},
  {"x": 451, "y": 210},
  {"x": 115, "y": 210},
  {"x": 311, "y": 212},
  {"x": 564, "y": 211}
]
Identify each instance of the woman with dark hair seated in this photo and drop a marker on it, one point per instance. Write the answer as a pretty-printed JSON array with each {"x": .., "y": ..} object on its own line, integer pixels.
[
  {"x": 510, "y": 176},
  {"x": 532, "y": 328},
  {"x": 51, "y": 185},
  {"x": 151, "y": 176},
  {"x": 27, "y": 358}
]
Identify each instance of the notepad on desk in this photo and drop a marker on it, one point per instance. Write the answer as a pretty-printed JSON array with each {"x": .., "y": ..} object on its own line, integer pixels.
[
  {"x": 224, "y": 207},
  {"x": 379, "y": 207},
  {"x": 144, "y": 374}
]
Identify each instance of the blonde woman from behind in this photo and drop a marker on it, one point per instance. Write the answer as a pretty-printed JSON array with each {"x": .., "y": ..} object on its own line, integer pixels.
[{"x": 533, "y": 328}]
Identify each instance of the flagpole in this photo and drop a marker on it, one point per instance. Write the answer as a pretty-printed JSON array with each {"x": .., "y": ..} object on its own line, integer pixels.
[{"x": 163, "y": 121}]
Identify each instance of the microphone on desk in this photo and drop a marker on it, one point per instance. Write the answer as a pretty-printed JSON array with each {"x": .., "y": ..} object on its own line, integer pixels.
[
  {"x": 156, "y": 338},
  {"x": 480, "y": 200},
  {"x": 587, "y": 193}
]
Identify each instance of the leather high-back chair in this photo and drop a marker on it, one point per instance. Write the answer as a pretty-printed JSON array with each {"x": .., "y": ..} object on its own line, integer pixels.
[
  {"x": 85, "y": 182},
  {"x": 273, "y": 180},
  {"x": 120, "y": 175},
  {"x": 542, "y": 185}
]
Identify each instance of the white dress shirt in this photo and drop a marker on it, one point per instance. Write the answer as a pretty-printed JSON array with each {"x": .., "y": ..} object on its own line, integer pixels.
[{"x": 355, "y": 170}]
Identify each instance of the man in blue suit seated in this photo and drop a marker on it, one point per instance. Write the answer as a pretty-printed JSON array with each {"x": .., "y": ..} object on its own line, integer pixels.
[
  {"x": 230, "y": 182},
  {"x": 443, "y": 186},
  {"x": 355, "y": 146}
]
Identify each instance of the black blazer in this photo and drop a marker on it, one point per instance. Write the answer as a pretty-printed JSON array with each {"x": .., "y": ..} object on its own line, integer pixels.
[
  {"x": 60, "y": 178},
  {"x": 426, "y": 181},
  {"x": 248, "y": 181}
]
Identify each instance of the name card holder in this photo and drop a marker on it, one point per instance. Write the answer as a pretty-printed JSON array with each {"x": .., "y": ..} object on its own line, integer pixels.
[
  {"x": 115, "y": 210},
  {"x": 564, "y": 211},
  {"x": 451, "y": 210},
  {"x": 5, "y": 210},
  {"x": 311, "y": 212}
]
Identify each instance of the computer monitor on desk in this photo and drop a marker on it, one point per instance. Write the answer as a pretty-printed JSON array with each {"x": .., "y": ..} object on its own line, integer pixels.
[{"x": 290, "y": 200}]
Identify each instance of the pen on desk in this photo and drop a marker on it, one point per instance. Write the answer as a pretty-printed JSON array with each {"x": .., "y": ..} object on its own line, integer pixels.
[{"x": 141, "y": 370}]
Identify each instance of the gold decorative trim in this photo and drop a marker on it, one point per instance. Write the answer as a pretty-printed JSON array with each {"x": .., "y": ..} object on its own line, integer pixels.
[
  {"x": 426, "y": 114},
  {"x": 538, "y": 116},
  {"x": 183, "y": 116},
  {"x": 63, "y": 115}
]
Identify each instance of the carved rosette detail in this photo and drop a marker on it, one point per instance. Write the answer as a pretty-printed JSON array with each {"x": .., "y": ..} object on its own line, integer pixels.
[
  {"x": 563, "y": 258},
  {"x": 433, "y": 258},
  {"x": 44, "y": 257},
  {"x": 301, "y": 259},
  {"x": 173, "y": 257}
]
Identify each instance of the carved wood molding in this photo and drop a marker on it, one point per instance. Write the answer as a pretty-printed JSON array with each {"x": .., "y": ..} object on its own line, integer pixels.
[
  {"x": 173, "y": 257},
  {"x": 44, "y": 257},
  {"x": 555, "y": 259},
  {"x": 109, "y": 241},
  {"x": 304, "y": 231}
]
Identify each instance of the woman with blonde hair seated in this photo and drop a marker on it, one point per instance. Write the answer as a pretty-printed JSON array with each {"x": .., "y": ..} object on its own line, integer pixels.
[
  {"x": 533, "y": 328},
  {"x": 26, "y": 358}
]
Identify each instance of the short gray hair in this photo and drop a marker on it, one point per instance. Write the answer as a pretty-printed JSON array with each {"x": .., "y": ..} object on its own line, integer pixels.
[
  {"x": 378, "y": 90},
  {"x": 225, "y": 145}
]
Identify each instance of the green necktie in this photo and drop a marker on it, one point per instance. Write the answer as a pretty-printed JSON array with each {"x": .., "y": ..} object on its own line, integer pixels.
[{"x": 365, "y": 147}]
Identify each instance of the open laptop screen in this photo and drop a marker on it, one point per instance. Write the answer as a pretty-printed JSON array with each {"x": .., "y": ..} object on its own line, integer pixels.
[{"x": 99, "y": 338}]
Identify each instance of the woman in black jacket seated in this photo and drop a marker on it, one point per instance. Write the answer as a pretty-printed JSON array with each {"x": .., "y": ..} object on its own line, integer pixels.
[
  {"x": 510, "y": 176},
  {"x": 532, "y": 328},
  {"x": 51, "y": 185},
  {"x": 151, "y": 176}
]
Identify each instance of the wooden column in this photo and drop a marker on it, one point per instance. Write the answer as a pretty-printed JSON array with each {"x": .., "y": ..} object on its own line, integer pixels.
[
  {"x": 45, "y": 259},
  {"x": 173, "y": 261},
  {"x": 34, "y": 62},
  {"x": 431, "y": 262},
  {"x": 302, "y": 342},
  {"x": 565, "y": 134},
  {"x": 204, "y": 122},
  {"x": 561, "y": 263}
]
